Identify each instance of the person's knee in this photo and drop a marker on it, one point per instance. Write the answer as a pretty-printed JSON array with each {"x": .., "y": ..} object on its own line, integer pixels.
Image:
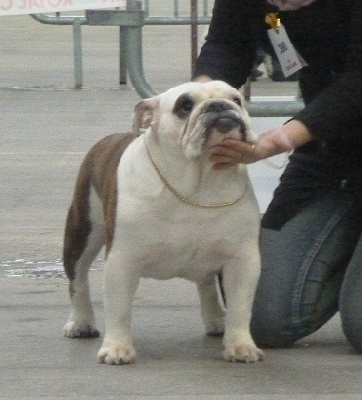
[
  {"x": 269, "y": 338},
  {"x": 351, "y": 317},
  {"x": 352, "y": 327},
  {"x": 268, "y": 328},
  {"x": 350, "y": 302},
  {"x": 273, "y": 327}
]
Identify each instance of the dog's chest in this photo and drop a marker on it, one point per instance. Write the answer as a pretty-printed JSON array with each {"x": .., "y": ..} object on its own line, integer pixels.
[
  {"x": 191, "y": 247},
  {"x": 164, "y": 237},
  {"x": 188, "y": 259}
]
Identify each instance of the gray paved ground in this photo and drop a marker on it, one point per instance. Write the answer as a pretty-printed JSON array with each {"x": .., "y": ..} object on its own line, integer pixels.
[{"x": 46, "y": 127}]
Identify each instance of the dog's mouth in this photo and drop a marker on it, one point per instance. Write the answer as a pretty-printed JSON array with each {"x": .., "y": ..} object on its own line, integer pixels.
[{"x": 224, "y": 125}]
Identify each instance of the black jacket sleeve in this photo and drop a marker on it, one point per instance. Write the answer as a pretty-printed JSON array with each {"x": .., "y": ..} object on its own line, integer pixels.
[
  {"x": 333, "y": 109},
  {"x": 229, "y": 51},
  {"x": 335, "y": 114}
]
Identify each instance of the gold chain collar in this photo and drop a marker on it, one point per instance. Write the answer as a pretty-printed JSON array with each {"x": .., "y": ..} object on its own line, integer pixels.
[{"x": 185, "y": 199}]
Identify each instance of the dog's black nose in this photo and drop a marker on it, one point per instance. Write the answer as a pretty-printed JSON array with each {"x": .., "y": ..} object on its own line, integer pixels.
[
  {"x": 225, "y": 125},
  {"x": 217, "y": 106}
]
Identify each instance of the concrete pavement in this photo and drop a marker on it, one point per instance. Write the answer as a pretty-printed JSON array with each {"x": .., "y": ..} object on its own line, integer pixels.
[{"x": 46, "y": 128}]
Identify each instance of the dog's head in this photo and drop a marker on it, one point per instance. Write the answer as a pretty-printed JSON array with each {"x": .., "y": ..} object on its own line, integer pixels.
[{"x": 195, "y": 116}]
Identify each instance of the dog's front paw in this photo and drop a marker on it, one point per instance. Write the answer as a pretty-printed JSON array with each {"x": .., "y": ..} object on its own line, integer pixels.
[
  {"x": 117, "y": 354},
  {"x": 246, "y": 353},
  {"x": 80, "y": 329}
]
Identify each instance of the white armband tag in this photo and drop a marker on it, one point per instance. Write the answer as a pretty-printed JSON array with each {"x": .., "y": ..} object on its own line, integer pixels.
[{"x": 289, "y": 59}]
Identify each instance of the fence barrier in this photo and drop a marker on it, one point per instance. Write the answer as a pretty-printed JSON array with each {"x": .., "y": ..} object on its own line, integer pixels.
[{"x": 131, "y": 19}]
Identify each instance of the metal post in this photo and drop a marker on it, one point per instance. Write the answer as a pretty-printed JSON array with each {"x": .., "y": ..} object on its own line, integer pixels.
[
  {"x": 132, "y": 5},
  {"x": 77, "y": 48},
  {"x": 194, "y": 35},
  {"x": 206, "y": 8},
  {"x": 122, "y": 57},
  {"x": 147, "y": 7},
  {"x": 247, "y": 89},
  {"x": 133, "y": 43},
  {"x": 176, "y": 9}
]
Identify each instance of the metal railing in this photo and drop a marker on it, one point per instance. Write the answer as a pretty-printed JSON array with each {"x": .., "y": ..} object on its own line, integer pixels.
[{"x": 131, "y": 22}]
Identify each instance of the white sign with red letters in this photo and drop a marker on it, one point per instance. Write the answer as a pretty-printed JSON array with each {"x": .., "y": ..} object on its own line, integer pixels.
[{"x": 12, "y": 7}]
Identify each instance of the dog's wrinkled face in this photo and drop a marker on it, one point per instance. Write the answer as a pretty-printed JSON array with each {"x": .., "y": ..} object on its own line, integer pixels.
[{"x": 195, "y": 116}]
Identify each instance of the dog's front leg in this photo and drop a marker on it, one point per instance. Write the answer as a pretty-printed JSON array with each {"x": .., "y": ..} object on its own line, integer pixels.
[
  {"x": 120, "y": 285},
  {"x": 240, "y": 278},
  {"x": 211, "y": 311}
]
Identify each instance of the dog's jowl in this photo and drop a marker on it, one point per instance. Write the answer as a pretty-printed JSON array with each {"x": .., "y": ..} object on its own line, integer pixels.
[{"x": 159, "y": 189}]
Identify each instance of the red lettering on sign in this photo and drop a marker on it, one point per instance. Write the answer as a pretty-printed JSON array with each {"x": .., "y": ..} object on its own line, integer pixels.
[
  {"x": 30, "y": 4},
  {"x": 36, "y": 4},
  {"x": 6, "y": 4},
  {"x": 54, "y": 3}
]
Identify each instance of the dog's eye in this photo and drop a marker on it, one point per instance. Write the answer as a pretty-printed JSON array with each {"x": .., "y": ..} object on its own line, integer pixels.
[
  {"x": 237, "y": 101},
  {"x": 184, "y": 106}
]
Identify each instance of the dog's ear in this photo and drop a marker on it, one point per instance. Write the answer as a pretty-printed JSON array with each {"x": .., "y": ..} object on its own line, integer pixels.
[{"x": 145, "y": 114}]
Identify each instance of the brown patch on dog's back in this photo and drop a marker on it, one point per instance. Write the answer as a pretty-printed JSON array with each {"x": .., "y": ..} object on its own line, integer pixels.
[
  {"x": 104, "y": 179},
  {"x": 98, "y": 169}
]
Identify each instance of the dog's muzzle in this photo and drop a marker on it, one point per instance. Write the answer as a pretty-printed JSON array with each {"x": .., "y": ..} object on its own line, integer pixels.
[
  {"x": 211, "y": 124},
  {"x": 223, "y": 118}
]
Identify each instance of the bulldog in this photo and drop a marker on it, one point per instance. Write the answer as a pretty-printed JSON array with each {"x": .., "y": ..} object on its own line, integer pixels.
[{"x": 153, "y": 198}]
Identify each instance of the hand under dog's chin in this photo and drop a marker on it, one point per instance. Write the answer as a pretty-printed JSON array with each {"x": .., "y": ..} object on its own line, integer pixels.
[
  {"x": 216, "y": 137},
  {"x": 201, "y": 146}
]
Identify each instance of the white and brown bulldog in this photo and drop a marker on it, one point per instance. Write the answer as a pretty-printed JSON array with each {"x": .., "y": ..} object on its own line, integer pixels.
[{"x": 162, "y": 211}]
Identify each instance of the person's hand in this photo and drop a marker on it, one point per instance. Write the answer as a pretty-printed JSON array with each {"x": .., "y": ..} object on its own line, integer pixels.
[
  {"x": 276, "y": 141},
  {"x": 202, "y": 78},
  {"x": 289, "y": 5}
]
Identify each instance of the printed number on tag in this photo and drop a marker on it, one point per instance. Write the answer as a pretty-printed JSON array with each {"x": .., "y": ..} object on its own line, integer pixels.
[{"x": 290, "y": 61}]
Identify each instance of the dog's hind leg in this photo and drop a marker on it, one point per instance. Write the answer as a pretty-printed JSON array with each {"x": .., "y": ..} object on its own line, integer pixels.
[
  {"x": 211, "y": 311},
  {"x": 84, "y": 239},
  {"x": 94, "y": 202}
]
